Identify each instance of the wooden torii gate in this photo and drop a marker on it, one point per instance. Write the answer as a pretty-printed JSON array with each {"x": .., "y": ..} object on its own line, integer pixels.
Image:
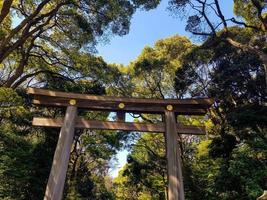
[{"x": 168, "y": 108}]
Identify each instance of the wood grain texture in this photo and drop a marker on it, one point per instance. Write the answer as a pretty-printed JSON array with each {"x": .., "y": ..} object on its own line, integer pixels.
[
  {"x": 174, "y": 168},
  {"x": 56, "y": 181},
  {"x": 181, "y": 109},
  {"x": 43, "y": 92},
  {"x": 125, "y": 126},
  {"x": 120, "y": 116}
]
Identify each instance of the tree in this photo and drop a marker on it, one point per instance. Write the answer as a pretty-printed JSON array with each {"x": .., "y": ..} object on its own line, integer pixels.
[
  {"x": 235, "y": 79},
  {"x": 154, "y": 70},
  {"x": 220, "y": 165},
  {"x": 40, "y": 37},
  {"x": 208, "y": 20},
  {"x": 144, "y": 176},
  {"x": 27, "y": 152}
]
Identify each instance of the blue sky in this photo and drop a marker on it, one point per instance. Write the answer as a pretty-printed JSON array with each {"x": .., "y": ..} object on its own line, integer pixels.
[{"x": 146, "y": 28}]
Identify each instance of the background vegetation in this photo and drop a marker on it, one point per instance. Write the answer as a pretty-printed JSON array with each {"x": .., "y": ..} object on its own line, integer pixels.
[{"x": 51, "y": 44}]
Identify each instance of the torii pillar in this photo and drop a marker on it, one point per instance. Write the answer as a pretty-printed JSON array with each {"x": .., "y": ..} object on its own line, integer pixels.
[
  {"x": 56, "y": 181},
  {"x": 174, "y": 164}
]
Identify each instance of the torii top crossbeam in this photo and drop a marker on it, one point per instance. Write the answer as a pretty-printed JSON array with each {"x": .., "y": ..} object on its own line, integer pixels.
[{"x": 108, "y": 103}]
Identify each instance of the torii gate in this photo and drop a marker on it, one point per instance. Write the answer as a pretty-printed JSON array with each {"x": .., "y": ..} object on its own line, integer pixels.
[{"x": 168, "y": 108}]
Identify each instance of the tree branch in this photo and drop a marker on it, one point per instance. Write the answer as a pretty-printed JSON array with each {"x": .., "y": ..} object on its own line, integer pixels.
[
  {"x": 220, "y": 14},
  {"x": 23, "y": 23},
  {"x": 4, "y": 52},
  {"x": 27, "y": 76},
  {"x": 5, "y": 9},
  {"x": 259, "y": 8},
  {"x": 244, "y": 24},
  {"x": 203, "y": 13},
  {"x": 23, "y": 62}
]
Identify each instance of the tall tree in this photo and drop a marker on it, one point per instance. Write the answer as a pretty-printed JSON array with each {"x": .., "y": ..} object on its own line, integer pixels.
[
  {"x": 27, "y": 152},
  {"x": 237, "y": 129},
  {"x": 235, "y": 79},
  {"x": 154, "y": 69},
  {"x": 208, "y": 20},
  {"x": 36, "y": 36}
]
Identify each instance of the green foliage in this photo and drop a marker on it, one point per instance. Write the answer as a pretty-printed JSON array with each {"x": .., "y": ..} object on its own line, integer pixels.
[
  {"x": 15, "y": 163},
  {"x": 248, "y": 165},
  {"x": 230, "y": 163},
  {"x": 26, "y": 154},
  {"x": 218, "y": 167},
  {"x": 56, "y": 37},
  {"x": 222, "y": 146},
  {"x": 11, "y": 104},
  {"x": 200, "y": 172},
  {"x": 236, "y": 82},
  {"x": 184, "y": 78},
  {"x": 249, "y": 10},
  {"x": 145, "y": 174},
  {"x": 154, "y": 69}
]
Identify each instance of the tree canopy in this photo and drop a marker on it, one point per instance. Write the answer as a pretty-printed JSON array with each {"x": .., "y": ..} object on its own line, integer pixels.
[
  {"x": 47, "y": 36},
  {"x": 216, "y": 166},
  {"x": 52, "y": 43}
]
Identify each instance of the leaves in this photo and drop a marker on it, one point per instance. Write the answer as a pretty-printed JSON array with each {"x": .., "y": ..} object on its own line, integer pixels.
[{"x": 53, "y": 46}]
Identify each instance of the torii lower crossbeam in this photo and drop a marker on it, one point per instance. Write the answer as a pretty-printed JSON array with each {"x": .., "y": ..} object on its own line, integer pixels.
[{"x": 167, "y": 108}]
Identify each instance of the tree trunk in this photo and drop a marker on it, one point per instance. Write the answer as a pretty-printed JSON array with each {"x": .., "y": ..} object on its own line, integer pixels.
[{"x": 18, "y": 72}]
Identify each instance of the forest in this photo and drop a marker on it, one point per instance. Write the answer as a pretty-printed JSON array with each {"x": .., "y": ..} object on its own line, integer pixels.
[{"x": 51, "y": 44}]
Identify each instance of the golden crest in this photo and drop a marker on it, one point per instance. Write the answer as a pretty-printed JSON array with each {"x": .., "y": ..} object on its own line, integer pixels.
[
  {"x": 72, "y": 102},
  {"x": 121, "y": 105},
  {"x": 169, "y": 107}
]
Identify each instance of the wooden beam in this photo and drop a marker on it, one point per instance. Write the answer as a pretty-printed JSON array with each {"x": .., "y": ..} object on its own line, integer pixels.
[
  {"x": 55, "y": 185},
  {"x": 181, "y": 109},
  {"x": 191, "y": 130},
  {"x": 125, "y": 126},
  {"x": 201, "y": 102},
  {"x": 174, "y": 168},
  {"x": 108, "y": 103}
]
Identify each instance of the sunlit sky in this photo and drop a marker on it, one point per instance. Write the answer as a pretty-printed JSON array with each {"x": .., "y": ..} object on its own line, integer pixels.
[{"x": 146, "y": 28}]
